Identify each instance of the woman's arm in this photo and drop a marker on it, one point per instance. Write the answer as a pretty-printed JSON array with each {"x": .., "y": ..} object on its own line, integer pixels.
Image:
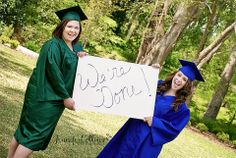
[{"x": 166, "y": 129}]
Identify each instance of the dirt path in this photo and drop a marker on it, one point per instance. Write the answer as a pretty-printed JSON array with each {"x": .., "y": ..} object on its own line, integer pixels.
[{"x": 27, "y": 51}]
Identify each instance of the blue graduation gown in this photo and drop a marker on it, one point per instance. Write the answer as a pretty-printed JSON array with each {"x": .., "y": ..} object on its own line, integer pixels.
[{"x": 137, "y": 140}]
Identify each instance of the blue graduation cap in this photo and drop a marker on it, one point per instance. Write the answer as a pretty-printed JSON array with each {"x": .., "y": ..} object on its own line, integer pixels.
[
  {"x": 190, "y": 70},
  {"x": 72, "y": 13}
]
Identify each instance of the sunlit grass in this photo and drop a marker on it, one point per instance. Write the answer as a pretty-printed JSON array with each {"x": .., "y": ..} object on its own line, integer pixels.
[{"x": 194, "y": 145}]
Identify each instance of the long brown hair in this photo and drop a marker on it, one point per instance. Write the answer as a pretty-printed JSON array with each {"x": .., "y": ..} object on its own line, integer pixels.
[
  {"x": 181, "y": 95},
  {"x": 60, "y": 28}
]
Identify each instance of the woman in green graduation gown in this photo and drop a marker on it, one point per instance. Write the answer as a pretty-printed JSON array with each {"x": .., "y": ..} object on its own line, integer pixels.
[{"x": 50, "y": 86}]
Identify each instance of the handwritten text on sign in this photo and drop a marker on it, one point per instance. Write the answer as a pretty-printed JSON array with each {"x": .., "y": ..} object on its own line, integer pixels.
[{"x": 115, "y": 87}]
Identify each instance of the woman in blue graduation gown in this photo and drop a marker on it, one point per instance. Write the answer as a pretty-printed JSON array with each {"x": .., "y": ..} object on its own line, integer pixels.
[
  {"x": 145, "y": 138},
  {"x": 50, "y": 86}
]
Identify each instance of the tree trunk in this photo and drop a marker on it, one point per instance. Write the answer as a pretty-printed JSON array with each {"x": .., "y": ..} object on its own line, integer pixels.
[
  {"x": 159, "y": 48},
  {"x": 132, "y": 24},
  {"x": 211, "y": 50},
  {"x": 204, "y": 37},
  {"x": 217, "y": 41},
  {"x": 221, "y": 90},
  {"x": 17, "y": 34},
  {"x": 210, "y": 22},
  {"x": 154, "y": 29},
  {"x": 209, "y": 56}
]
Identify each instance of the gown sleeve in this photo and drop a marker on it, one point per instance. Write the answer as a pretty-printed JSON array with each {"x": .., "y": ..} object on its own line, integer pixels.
[
  {"x": 54, "y": 73},
  {"x": 166, "y": 129}
]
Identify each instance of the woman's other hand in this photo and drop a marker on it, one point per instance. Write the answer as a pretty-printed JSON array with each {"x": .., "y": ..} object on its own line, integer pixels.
[
  {"x": 148, "y": 120},
  {"x": 81, "y": 54},
  {"x": 69, "y": 103}
]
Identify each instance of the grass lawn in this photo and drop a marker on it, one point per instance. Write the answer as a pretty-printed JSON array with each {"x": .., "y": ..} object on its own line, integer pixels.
[{"x": 81, "y": 134}]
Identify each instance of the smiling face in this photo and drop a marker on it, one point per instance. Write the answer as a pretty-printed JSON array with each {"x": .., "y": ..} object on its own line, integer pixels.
[
  {"x": 71, "y": 31},
  {"x": 178, "y": 81}
]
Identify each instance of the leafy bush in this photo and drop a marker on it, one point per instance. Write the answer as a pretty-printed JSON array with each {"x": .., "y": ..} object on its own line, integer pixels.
[
  {"x": 213, "y": 125},
  {"x": 195, "y": 118},
  {"x": 6, "y": 40},
  {"x": 189, "y": 123},
  {"x": 32, "y": 46},
  {"x": 234, "y": 143},
  {"x": 14, "y": 43},
  {"x": 36, "y": 35},
  {"x": 218, "y": 126},
  {"x": 232, "y": 132},
  {"x": 202, "y": 127},
  {"x": 223, "y": 136},
  {"x": 2, "y": 25},
  {"x": 7, "y": 31}
]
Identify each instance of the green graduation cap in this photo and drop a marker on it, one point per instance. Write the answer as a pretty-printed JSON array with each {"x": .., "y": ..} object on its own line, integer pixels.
[{"x": 72, "y": 13}]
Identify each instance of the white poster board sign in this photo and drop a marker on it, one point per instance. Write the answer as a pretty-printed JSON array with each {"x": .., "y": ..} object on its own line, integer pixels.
[{"x": 115, "y": 87}]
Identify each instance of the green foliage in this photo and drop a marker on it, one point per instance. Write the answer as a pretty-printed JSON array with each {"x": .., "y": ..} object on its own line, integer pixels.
[
  {"x": 195, "y": 119},
  {"x": 230, "y": 102},
  {"x": 46, "y": 9},
  {"x": 217, "y": 126},
  {"x": 171, "y": 63},
  {"x": 196, "y": 113},
  {"x": 131, "y": 17},
  {"x": 6, "y": 40},
  {"x": 41, "y": 22},
  {"x": 2, "y": 26},
  {"x": 108, "y": 22},
  {"x": 16, "y": 12},
  {"x": 99, "y": 37},
  {"x": 231, "y": 130},
  {"x": 7, "y": 31},
  {"x": 234, "y": 79},
  {"x": 32, "y": 45},
  {"x": 226, "y": 11},
  {"x": 189, "y": 123},
  {"x": 202, "y": 127},
  {"x": 14, "y": 43},
  {"x": 34, "y": 40},
  {"x": 234, "y": 143},
  {"x": 106, "y": 34},
  {"x": 223, "y": 136},
  {"x": 6, "y": 34},
  {"x": 214, "y": 126}
]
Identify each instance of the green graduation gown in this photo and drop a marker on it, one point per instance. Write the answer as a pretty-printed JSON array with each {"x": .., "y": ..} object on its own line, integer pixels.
[{"x": 51, "y": 81}]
